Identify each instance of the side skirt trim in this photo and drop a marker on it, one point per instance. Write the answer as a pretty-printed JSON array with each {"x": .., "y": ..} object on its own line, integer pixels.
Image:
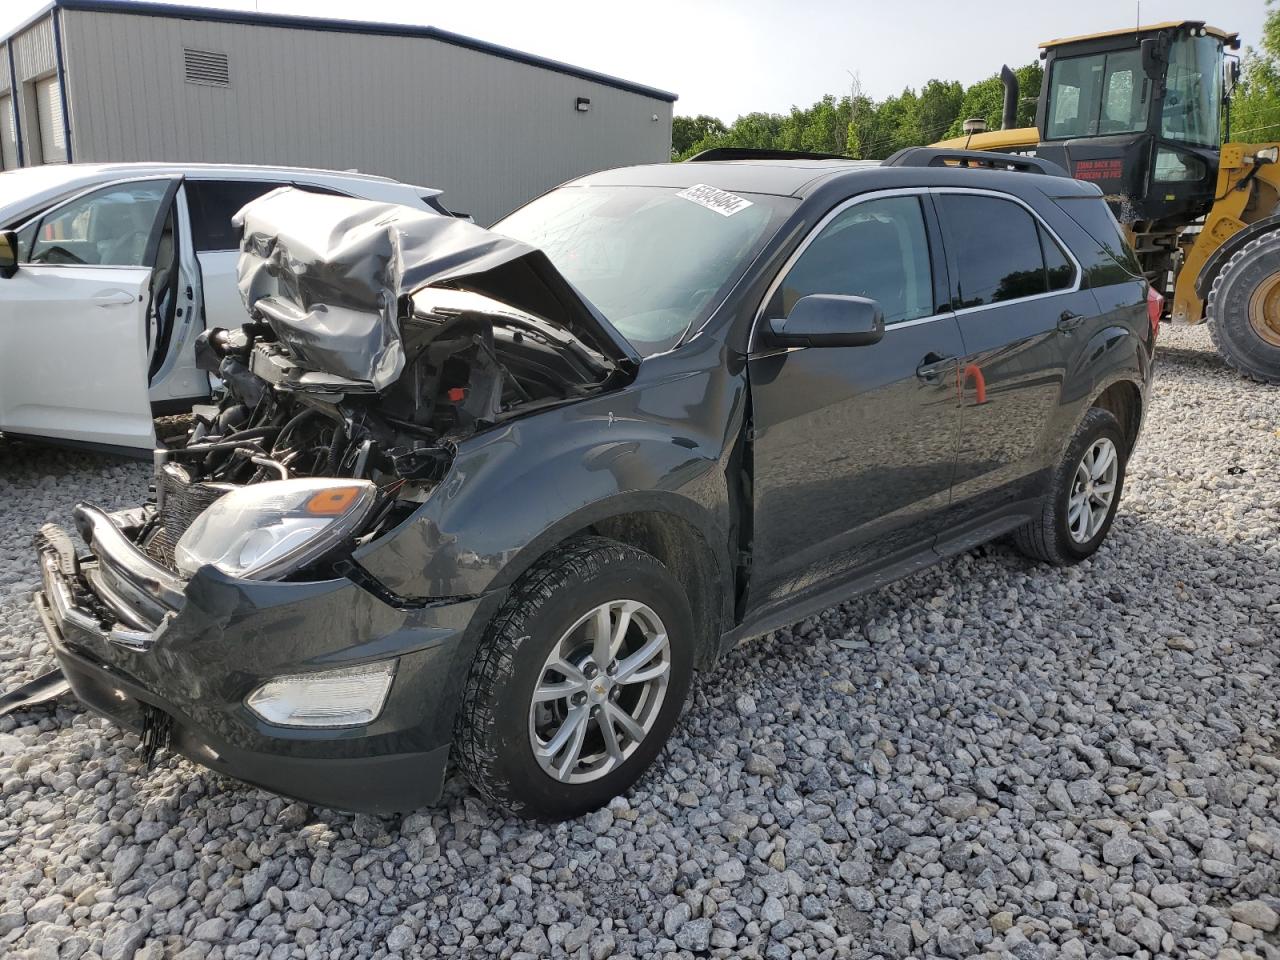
[{"x": 987, "y": 528}]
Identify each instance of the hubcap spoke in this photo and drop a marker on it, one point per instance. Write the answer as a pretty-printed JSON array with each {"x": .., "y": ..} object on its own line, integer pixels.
[
  {"x": 647, "y": 674},
  {"x": 1103, "y": 461},
  {"x": 603, "y": 634},
  {"x": 627, "y": 722},
  {"x": 630, "y": 666},
  {"x": 573, "y": 682},
  {"x": 612, "y": 621},
  {"x": 574, "y": 750},
  {"x": 620, "y": 630},
  {"x": 611, "y": 745},
  {"x": 570, "y": 671},
  {"x": 556, "y": 691},
  {"x": 1073, "y": 517},
  {"x": 575, "y": 721}
]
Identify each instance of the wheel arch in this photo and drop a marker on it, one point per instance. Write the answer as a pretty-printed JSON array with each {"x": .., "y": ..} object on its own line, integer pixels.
[
  {"x": 1229, "y": 248},
  {"x": 669, "y": 528},
  {"x": 1123, "y": 400}
]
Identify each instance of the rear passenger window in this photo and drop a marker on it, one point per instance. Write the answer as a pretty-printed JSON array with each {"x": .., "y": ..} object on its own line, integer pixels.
[
  {"x": 996, "y": 244},
  {"x": 877, "y": 249},
  {"x": 213, "y": 203}
]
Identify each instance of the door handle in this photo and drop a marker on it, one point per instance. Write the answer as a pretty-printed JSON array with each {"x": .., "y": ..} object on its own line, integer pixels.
[
  {"x": 1068, "y": 321},
  {"x": 933, "y": 366},
  {"x": 113, "y": 298}
]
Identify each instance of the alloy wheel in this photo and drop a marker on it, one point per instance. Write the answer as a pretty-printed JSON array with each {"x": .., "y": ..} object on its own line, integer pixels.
[
  {"x": 600, "y": 691},
  {"x": 1093, "y": 488}
]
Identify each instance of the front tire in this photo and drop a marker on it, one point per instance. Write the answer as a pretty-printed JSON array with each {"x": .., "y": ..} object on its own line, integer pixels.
[
  {"x": 1243, "y": 309},
  {"x": 578, "y": 682},
  {"x": 1083, "y": 495}
]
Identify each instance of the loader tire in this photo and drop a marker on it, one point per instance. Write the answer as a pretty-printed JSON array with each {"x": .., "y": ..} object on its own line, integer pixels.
[{"x": 1243, "y": 309}]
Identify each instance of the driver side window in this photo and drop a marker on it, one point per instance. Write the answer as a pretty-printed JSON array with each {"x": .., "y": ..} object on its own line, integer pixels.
[
  {"x": 877, "y": 249},
  {"x": 109, "y": 227}
]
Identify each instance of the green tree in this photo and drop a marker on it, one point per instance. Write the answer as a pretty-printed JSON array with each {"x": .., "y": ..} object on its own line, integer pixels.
[
  {"x": 857, "y": 126},
  {"x": 686, "y": 131},
  {"x": 861, "y": 112},
  {"x": 1255, "y": 105},
  {"x": 937, "y": 108}
]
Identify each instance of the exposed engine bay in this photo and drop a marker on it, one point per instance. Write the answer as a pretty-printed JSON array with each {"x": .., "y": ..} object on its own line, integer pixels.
[{"x": 342, "y": 372}]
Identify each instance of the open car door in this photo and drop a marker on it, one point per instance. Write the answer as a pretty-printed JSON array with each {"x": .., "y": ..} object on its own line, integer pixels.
[{"x": 76, "y": 317}]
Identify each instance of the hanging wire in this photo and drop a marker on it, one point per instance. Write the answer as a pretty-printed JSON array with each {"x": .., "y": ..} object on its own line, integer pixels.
[{"x": 1235, "y": 134}]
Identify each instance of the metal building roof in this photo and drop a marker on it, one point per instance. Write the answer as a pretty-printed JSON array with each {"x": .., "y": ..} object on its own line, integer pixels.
[{"x": 253, "y": 18}]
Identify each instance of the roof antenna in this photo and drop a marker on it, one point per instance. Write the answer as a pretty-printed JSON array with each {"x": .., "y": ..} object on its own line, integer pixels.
[{"x": 1137, "y": 27}]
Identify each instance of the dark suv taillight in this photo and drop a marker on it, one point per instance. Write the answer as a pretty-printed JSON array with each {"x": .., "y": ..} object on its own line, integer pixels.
[{"x": 1155, "y": 308}]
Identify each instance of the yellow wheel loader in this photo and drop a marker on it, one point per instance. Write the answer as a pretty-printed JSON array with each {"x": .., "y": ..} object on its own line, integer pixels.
[{"x": 1141, "y": 113}]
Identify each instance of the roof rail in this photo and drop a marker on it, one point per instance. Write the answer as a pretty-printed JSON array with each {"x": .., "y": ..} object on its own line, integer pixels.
[
  {"x": 980, "y": 159},
  {"x": 759, "y": 153}
]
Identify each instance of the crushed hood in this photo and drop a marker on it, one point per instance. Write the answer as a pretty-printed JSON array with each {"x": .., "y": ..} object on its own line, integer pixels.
[{"x": 330, "y": 275}]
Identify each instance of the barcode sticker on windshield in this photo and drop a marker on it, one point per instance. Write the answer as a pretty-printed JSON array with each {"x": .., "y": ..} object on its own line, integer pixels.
[{"x": 721, "y": 201}]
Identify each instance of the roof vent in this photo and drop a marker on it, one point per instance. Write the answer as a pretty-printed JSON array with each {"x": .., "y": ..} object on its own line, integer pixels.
[{"x": 206, "y": 68}]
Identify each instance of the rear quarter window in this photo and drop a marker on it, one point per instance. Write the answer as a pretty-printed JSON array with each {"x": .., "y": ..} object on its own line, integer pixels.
[
  {"x": 1112, "y": 260},
  {"x": 213, "y": 203}
]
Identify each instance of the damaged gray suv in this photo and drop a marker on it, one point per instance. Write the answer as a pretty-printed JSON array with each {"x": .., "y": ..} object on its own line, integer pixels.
[{"x": 493, "y": 495}]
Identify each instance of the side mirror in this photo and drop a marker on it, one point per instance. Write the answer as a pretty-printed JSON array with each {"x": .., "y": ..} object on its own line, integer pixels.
[
  {"x": 829, "y": 320},
  {"x": 1152, "y": 58},
  {"x": 8, "y": 254}
]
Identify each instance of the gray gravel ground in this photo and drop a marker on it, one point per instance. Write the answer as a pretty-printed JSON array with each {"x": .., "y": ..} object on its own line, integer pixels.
[{"x": 991, "y": 758}]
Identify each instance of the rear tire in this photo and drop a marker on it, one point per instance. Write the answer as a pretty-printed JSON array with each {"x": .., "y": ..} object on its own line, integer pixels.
[
  {"x": 614, "y": 703},
  {"x": 1064, "y": 533},
  {"x": 1243, "y": 309}
]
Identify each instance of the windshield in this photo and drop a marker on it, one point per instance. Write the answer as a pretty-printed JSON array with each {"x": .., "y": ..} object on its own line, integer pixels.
[
  {"x": 29, "y": 188},
  {"x": 1097, "y": 95},
  {"x": 654, "y": 260},
  {"x": 1193, "y": 95}
]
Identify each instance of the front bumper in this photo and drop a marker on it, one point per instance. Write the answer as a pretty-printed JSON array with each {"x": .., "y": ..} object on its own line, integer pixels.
[{"x": 132, "y": 637}]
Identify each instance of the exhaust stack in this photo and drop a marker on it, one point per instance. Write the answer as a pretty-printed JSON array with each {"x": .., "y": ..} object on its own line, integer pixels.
[{"x": 1009, "y": 119}]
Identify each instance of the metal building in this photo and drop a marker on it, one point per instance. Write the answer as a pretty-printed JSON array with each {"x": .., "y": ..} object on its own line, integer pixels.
[{"x": 106, "y": 80}]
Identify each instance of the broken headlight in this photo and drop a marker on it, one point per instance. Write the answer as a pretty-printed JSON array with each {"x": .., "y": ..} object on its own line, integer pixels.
[{"x": 265, "y": 530}]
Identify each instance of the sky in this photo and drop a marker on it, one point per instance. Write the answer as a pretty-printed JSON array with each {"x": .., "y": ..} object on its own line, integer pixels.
[{"x": 730, "y": 58}]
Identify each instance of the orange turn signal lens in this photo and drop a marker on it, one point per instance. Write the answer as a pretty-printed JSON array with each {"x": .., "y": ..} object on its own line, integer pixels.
[{"x": 333, "y": 502}]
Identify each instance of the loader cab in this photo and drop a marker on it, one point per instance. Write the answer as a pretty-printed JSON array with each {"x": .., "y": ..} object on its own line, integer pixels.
[{"x": 1139, "y": 113}]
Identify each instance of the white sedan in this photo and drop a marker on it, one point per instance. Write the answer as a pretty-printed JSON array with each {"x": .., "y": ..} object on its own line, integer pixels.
[{"x": 108, "y": 272}]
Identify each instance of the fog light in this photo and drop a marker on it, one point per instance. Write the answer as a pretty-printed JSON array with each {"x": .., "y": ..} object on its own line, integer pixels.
[
  {"x": 1267, "y": 155},
  {"x": 326, "y": 698}
]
